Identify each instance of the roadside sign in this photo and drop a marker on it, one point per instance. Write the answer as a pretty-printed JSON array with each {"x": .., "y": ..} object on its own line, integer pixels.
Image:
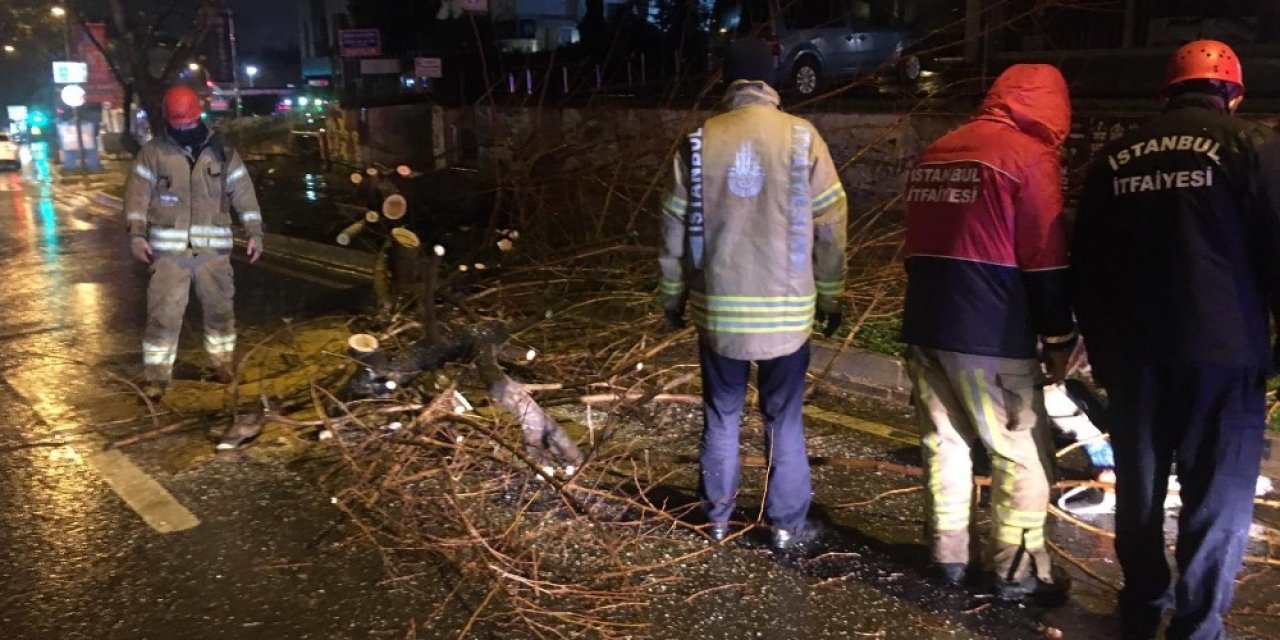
[
  {"x": 17, "y": 113},
  {"x": 73, "y": 95},
  {"x": 358, "y": 43},
  {"x": 428, "y": 68},
  {"x": 70, "y": 72},
  {"x": 379, "y": 66}
]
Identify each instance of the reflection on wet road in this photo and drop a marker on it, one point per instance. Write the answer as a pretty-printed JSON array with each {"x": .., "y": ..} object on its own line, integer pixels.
[{"x": 84, "y": 556}]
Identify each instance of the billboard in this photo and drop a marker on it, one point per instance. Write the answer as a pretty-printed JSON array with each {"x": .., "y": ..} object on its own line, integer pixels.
[
  {"x": 65, "y": 72},
  {"x": 359, "y": 43}
]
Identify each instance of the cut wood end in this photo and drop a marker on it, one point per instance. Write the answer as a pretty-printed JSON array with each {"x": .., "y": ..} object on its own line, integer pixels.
[
  {"x": 405, "y": 238},
  {"x": 395, "y": 206},
  {"x": 362, "y": 343}
]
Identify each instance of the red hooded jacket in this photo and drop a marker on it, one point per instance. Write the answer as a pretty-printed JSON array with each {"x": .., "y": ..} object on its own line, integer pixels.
[{"x": 986, "y": 238}]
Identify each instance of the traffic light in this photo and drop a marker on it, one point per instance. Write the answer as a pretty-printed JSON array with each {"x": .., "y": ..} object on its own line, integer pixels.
[{"x": 38, "y": 118}]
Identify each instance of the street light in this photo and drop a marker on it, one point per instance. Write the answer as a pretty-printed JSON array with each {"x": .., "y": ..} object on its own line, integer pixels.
[
  {"x": 8, "y": 48},
  {"x": 252, "y": 72},
  {"x": 193, "y": 66},
  {"x": 58, "y": 12}
]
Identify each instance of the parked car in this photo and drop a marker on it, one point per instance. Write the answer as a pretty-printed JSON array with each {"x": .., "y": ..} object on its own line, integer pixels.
[
  {"x": 819, "y": 41},
  {"x": 9, "y": 158}
]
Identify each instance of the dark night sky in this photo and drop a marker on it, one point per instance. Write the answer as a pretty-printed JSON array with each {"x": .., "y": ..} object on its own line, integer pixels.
[{"x": 265, "y": 23}]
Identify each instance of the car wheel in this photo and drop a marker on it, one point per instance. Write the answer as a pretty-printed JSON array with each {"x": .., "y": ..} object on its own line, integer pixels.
[
  {"x": 909, "y": 69},
  {"x": 805, "y": 77}
]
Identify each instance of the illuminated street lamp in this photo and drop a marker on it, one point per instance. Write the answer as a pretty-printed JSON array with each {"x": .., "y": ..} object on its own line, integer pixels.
[
  {"x": 8, "y": 48},
  {"x": 58, "y": 12},
  {"x": 252, "y": 72},
  {"x": 193, "y": 66}
]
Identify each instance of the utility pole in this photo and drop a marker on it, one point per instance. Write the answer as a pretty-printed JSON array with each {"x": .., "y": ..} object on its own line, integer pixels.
[{"x": 235, "y": 63}]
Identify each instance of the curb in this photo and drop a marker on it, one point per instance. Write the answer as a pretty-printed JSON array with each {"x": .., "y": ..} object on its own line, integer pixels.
[{"x": 865, "y": 373}]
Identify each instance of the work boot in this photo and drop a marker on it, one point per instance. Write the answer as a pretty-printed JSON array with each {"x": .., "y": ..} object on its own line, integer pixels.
[
  {"x": 1033, "y": 587},
  {"x": 952, "y": 574},
  {"x": 784, "y": 539},
  {"x": 154, "y": 390},
  {"x": 718, "y": 532},
  {"x": 245, "y": 429}
]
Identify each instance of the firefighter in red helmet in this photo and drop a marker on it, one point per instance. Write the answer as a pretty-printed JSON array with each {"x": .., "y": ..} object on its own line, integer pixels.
[
  {"x": 1176, "y": 258},
  {"x": 179, "y": 199}
]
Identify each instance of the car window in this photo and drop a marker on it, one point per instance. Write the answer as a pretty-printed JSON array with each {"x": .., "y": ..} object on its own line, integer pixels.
[{"x": 815, "y": 14}]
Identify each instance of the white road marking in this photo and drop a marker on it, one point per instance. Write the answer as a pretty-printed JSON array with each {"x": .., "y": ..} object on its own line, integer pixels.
[
  {"x": 147, "y": 497},
  {"x": 157, "y": 507}
]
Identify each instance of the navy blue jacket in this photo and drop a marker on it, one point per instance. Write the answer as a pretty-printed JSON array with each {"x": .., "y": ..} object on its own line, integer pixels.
[{"x": 1175, "y": 252}]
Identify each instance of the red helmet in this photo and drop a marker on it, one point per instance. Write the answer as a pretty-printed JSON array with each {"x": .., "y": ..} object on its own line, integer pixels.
[
  {"x": 1204, "y": 60},
  {"x": 181, "y": 107}
]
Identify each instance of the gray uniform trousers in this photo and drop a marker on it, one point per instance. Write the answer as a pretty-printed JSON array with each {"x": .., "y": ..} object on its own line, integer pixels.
[
  {"x": 172, "y": 274},
  {"x": 964, "y": 401}
]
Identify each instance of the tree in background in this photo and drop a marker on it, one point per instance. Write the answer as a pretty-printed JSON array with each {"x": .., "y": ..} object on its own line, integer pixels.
[
  {"x": 35, "y": 34},
  {"x": 139, "y": 53}
]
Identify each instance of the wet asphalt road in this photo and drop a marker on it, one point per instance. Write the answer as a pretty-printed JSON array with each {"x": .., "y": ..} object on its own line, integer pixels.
[
  {"x": 266, "y": 559},
  {"x": 75, "y": 560}
]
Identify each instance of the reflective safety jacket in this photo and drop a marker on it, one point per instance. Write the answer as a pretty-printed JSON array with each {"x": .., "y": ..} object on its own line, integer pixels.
[
  {"x": 1176, "y": 255},
  {"x": 767, "y": 242},
  {"x": 986, "y": 246},
  {"x": 179, "y": 202}
]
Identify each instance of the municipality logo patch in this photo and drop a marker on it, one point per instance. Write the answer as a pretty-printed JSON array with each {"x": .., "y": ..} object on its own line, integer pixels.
[{"x": 746, "y": 176}]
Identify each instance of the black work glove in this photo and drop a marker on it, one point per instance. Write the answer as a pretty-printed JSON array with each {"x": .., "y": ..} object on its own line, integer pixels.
[
  {"x": 675, "y": 319},
  {"x": 830, "y": 321}
]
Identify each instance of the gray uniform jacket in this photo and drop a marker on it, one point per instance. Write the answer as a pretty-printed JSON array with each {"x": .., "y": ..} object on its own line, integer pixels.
[
  {"x": 775, "y": 216},
  {"x": 178, "y": 205}
]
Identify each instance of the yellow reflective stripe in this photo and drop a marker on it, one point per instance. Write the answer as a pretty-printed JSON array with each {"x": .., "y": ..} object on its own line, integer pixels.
[
  {"x": 805, "y": 319},
  {"x": 747, "y": 310},
  {"x": 1003, "y": 492},
  {"x": 144, "y": 173},
  {"x": 830, "y": 196},
  {"x": 1009, "y": 535},
  {"x": 671, "y": 286},
  {"x": 675, "y": 205},
  {"x": 237, "y": 174},
  {"x": 210, "y": 230},
  {"x": 158, "y": 354},
  {"x": 136, "y": 216},
  {"x": 250, "y": 216},
  {"x": 168, "y": 245},
  {"x": 828, "y": 288},
  {"x": 162, "y": 233},
  {"x": 756, "y": 331},
  {"x": 1008, "y": 516},
  {"x": 699, "y": 294},
  {"x": 212, "y": 243}
]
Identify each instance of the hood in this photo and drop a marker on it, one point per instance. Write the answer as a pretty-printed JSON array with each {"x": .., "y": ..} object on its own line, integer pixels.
[
  {"x": 1033, "y": 98},
  {"x": 744, "y": 93}
]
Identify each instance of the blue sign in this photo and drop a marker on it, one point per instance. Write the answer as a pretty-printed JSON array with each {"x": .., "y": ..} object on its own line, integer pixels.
[{"x": 358, "y": 43}]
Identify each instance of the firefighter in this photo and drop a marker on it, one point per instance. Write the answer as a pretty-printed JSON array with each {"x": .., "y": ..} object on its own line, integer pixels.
[
  {"x": 178, "y": 203},
  {"x": 1174, "y": 257},
  {"x": 754, "y": 237},
  {"x": 987, "y": 282}
]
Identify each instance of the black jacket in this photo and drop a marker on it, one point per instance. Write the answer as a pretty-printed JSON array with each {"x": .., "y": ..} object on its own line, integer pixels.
[{"x": 1176, "y": 247}]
